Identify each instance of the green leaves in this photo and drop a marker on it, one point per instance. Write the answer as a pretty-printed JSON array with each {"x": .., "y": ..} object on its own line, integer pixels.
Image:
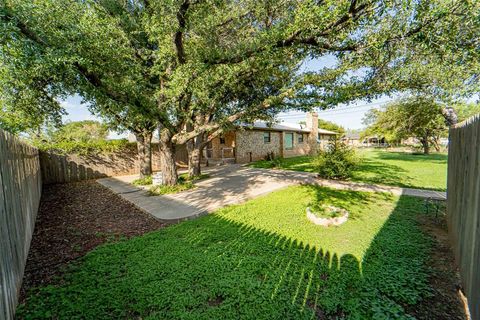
[
  {"x": 417, "y": 116},
  {"x": 258, "y": 260},
  {"x": 336, "y": 160}
]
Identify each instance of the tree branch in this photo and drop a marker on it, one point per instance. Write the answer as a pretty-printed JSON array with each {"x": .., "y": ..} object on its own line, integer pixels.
[
  {"x": 183, "y": 137},
  {"x": 178, "y": 38}
]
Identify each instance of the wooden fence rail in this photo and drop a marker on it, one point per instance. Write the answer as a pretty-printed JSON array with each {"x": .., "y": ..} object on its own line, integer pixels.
[
  {"x": 463, "y": 206},
  {"x": 64, "y": 168},
  {"x": 20, "y": 191}
]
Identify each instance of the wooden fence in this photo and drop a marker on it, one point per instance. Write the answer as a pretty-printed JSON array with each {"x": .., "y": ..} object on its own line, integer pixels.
[
  {"x": 59, "y": 168},
  {"x": 463, "y": 206},
  {"x": 20, "y": 191}
]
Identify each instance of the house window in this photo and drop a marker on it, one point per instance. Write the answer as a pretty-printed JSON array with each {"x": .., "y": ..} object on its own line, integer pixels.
[
  {"x": 222, "y": 139},
  {"x": 267, "y": 138},
  {"x": 288, "y": 140},
  {"x": 300, "y": 137}
]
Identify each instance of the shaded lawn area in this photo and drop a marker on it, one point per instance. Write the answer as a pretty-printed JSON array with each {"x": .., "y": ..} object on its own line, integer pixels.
[
  {"x": 383, "y": 167},
  {"x": 262, "y": 260}
]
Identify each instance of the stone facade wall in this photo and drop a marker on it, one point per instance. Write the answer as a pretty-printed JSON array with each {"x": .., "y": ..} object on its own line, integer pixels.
[
  {"x": 216, "y": 147},
  {"x": 299, "y": 149},
  {"x": 251, "y": 141}
]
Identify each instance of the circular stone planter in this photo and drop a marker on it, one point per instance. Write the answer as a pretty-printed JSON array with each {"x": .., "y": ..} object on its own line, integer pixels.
[{"x": 327, "y": 222}]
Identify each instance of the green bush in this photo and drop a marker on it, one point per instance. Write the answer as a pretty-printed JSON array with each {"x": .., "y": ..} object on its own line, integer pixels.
[
  {"x": 165, "y": 189},
  {"x": 185, "y": 178},
  {"x": 83, "y": 147},
  {"x": 148, "y": 180},
  {"x": 336, "y": 161}
]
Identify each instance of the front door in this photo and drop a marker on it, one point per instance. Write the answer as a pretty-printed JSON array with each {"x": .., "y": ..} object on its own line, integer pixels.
[{"x": 288, "y": 140}]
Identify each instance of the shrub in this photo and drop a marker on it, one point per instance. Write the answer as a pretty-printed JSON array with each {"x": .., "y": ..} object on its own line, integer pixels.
[
  {"x": 84, "y": 148},
  {"x": 270, "y": 156},
  {"x": 185, "y": 178},
  {"x": 184, "y": 183},
  {"x": 164, "y": 189},
  {"x": 336, "y": 161},
  {"x": 148, "y": 180}
]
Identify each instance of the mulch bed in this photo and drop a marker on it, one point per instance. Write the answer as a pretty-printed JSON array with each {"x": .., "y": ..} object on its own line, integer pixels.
[
  {"x": 73, "y": 219},
  {"x": 445, "y": 302}
]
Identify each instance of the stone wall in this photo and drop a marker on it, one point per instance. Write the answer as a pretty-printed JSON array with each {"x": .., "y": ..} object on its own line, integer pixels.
[
  {"x": 299, "y": 149},
  {"x": 216, "y": 147},
  {"x": 250, "y": 145}
]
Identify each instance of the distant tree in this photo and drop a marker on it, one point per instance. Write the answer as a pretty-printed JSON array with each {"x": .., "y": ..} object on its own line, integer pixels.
[
  {"x": 374, "y": 126},
  {"x": 417, "y": 116},
  {"x": 332, "y": 126},
  {"x": 466, "y": 110},
  {"x": 81, "y": 131},
  {"x": 329, "y": 125}
]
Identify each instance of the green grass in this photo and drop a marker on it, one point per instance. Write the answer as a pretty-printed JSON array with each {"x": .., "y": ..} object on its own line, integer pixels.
[
  {"x": 403, "y": 169},
  {"x": 148, "y": 180},
  {"x": 259, "y": 260},
  {"x": 383, "y": 167},
  {"x": 165, "y": 189},
  {"x": 184, "y": 177},
  {"x": 184, "y": 183}
]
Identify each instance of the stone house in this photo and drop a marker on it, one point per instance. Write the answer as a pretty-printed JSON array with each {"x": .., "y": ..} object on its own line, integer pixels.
[{"x": 251, "y": 142}]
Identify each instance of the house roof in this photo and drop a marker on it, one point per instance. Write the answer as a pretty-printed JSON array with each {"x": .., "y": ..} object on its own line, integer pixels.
[
  {"x": 323, "y": 131},
  {"x": 260, "y": 125}
]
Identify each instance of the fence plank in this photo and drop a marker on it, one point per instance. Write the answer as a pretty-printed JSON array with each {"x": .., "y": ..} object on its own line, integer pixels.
[
  {"x": 62, "y": 168},
  {"x": 463, "y": 206},
  {"x": 20, "y": 191}
]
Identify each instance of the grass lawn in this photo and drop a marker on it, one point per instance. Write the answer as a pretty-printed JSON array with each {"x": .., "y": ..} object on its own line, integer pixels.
[
  {"x": 384, "y": 167},
  {"x": 184, "y": 183},
  {"x": 258, "y": 260}
]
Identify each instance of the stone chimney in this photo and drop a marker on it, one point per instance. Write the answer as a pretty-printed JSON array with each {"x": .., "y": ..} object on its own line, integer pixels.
[{"x": 312, "y": 125}]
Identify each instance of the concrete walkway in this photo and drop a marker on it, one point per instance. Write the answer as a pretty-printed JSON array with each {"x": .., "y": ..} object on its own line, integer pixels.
[{"x": 234, "y": 184}]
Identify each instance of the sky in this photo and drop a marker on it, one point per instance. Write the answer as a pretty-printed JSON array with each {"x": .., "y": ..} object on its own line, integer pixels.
[{"x": 349, "y": 116}]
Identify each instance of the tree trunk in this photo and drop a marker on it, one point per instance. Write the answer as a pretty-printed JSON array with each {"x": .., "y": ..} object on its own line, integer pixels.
[
  {"x": 426, "y": 146},
  {"x": 167, "y": 157},
  {"x": 450, "y": 116},
  {"x": 144, "y": 149},
  {"x": 436, "y": 143},
  {"x": 194, "y": 148}
]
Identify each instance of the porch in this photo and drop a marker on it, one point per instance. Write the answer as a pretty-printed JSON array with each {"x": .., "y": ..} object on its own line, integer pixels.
[{"x": 220, "y": 150}]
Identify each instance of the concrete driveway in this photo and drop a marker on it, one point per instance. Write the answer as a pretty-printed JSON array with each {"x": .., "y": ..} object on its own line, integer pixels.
[
  {"x": 232, "y": 184},
  {"x": 227, "y": 185}
]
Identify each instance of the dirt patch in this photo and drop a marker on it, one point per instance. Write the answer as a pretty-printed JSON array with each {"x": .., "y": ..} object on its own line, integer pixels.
[
  {"x": 319, "y": 314},
  {"x": 215, "y": 301},
  {"x": 73, "y": 219},
  {"x": 445, "y": 302}
]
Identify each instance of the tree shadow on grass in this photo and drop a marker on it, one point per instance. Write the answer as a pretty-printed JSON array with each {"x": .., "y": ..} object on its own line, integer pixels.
[
  {"x": 371, "y": 171},
  {"x": 216, "y": 268},
  {"x": 344, "y": 199}
]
